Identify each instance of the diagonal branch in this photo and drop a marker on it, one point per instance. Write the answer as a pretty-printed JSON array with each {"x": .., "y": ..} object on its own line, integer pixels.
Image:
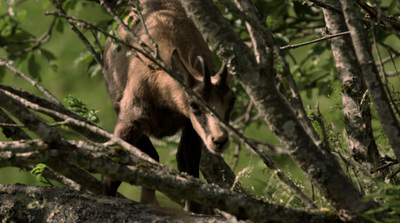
[
  {"x": 95, "y": 159},
  {"x": 29, "y": 80},
  {"x": 85, "y": 41}
]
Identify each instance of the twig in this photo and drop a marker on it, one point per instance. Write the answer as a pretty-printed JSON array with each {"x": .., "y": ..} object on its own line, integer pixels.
[
  {"x": 11, "y": 125},
  {"x": 139, "y": 13},
  {"x": 40, "y": 41},
  {"x": 29, "y": 80},
  {"x": 246, "y": 119},
  {"x": 296, "y": 101},
  {"x": 15, "y": 103},
  {"x": 84, "y": 40},
  {"x": 126, "y": 28},
  {"x": 318, "y": 117},
  {"x": 86, "y": 25},
  {"x": 314, "y": 41},
  {"x": 382, "y": 68}
]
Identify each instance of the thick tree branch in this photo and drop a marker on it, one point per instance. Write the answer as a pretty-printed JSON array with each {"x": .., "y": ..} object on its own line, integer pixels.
[
  {"x": 357, "y": 117},
  {"x": 321, "y": 167},
  {"x": 362, "y": 48},
  {"x": 55, "y": 204},
  {"x": 96, "y": 159}
]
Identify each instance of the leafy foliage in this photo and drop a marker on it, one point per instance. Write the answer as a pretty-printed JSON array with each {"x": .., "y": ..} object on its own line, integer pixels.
[
  {"x": 37, "y": 171},
  {"x": 81, "y": 108},
  {"x": 389, "y": 196}
]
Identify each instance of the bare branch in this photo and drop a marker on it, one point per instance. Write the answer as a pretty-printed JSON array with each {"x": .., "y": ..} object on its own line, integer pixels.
[
  {"x": 359, "y": 38},
  {"x": 29, "y": 80},
  {"x": 84, "y": 40},
  {"x": 314, "y": 41},
  {"x": 18, "y": 107},
  {"x": 150, "y": 176},
  {"x": 322, "y": 169}
]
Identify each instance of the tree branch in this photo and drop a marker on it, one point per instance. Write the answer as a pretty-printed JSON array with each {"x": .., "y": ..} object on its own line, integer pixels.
[
  {"x": 57, "y": 204},
  {"x": 362, "y": 48},
  {"x": 321, "y": 167},
  {"x": 30, "y": 81},
  {"x": 96, "y": 159},
  {"x": 357, "y": 116}
]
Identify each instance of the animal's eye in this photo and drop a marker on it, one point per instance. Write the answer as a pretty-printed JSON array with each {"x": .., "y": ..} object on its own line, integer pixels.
[{"x": 195, "y": 108}]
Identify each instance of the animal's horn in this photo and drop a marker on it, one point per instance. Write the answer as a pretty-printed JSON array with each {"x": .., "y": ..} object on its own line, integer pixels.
[
  {"x": 222, "y": 76},
  {"x": 206, "y": 76}
]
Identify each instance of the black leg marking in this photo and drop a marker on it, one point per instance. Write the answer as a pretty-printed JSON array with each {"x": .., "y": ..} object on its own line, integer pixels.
[{"x": 188, "y": 159}]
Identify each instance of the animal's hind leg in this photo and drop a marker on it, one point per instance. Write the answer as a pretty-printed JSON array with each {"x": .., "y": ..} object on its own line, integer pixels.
[
  {"x": 127, "y": 133},
  {"x": 188, "y": 159},
  {"x": 148, "y": 196}
]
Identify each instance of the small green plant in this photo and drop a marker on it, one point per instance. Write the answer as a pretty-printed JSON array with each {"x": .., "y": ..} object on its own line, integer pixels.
[
  {"x": 37, "y": 171},
  {"x": 81, "y": 108},
  {"x": 388, "y": 196}
]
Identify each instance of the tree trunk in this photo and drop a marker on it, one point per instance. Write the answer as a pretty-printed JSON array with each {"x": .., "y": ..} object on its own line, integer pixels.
[
  {"x": 357, "y": 117},
  {"x": 321, "y": 168},
  {"x": 362, "y": 48}
]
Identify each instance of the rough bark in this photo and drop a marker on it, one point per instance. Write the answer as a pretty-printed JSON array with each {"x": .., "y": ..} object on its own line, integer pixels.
[
  {"x": 95, "y": 159},
  {"x": 213, "y": 167},
  {"x": 215, "y": 170},
  {"x": 119, "y": 164},
  {"x": 362, "y": 48},
  {"x": 357, "y": 117},
  {"x": 321, "y": 168},
  {"x": 19, "y": 203}
]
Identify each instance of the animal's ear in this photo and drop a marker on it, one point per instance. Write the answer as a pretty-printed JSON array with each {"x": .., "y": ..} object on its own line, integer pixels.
[
  {"x": 222, "y": 78},
  {"x": 179, "y": 69}
]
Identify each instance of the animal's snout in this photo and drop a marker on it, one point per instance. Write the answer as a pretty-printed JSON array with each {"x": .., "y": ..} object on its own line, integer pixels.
[{"x": 220, "y": 142}]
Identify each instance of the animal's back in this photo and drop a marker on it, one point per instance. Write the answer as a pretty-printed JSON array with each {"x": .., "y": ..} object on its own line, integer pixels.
[{"x": 131, "y": 80}]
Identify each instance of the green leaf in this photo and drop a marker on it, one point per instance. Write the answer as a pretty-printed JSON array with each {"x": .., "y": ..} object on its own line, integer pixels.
[
  {"x": 60, "y": 25},
  {"x": 49, "y": 57},
  {"x": 2, "y": 73},
  {"x": 46, "y": 4},
  {"x": 70, "y": 4},
  {"x": 94, "y": 69},
  {"x": 21, "y": 15},
  {"x": 34, "y": 68},
  {"x": 83, "y": 58},
  {"x": 37, "y": 171},
  {"x": 81, "y": 109},
  {"x": 47, "y": 54}
]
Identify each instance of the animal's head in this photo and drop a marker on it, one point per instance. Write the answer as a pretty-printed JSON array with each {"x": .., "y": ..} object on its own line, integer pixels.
[{"x": 216, "y": 92}]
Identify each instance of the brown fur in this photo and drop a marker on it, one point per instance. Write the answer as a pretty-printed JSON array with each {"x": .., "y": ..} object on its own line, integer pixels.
[{"x": 149, "y": 102}]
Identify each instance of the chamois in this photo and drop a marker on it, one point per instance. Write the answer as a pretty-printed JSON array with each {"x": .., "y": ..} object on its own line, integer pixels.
[{"x": 149, "y": 102}]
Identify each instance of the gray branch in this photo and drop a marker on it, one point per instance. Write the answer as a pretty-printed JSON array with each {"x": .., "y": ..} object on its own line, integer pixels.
[
  {"x": 99, "y": 160},
  {"x": 370, "y": 73},
  {"x": 357, "y": 117},
  {"x": 320, "y": 166}
]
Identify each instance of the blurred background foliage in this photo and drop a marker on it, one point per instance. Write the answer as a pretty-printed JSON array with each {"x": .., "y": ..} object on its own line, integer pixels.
[{"x": 62, "y": 64}]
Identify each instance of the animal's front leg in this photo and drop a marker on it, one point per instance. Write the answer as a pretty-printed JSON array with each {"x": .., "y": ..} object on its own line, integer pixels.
[
  {"x": 188, "y": 159},
  {"x": 148, "y": 196}
]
